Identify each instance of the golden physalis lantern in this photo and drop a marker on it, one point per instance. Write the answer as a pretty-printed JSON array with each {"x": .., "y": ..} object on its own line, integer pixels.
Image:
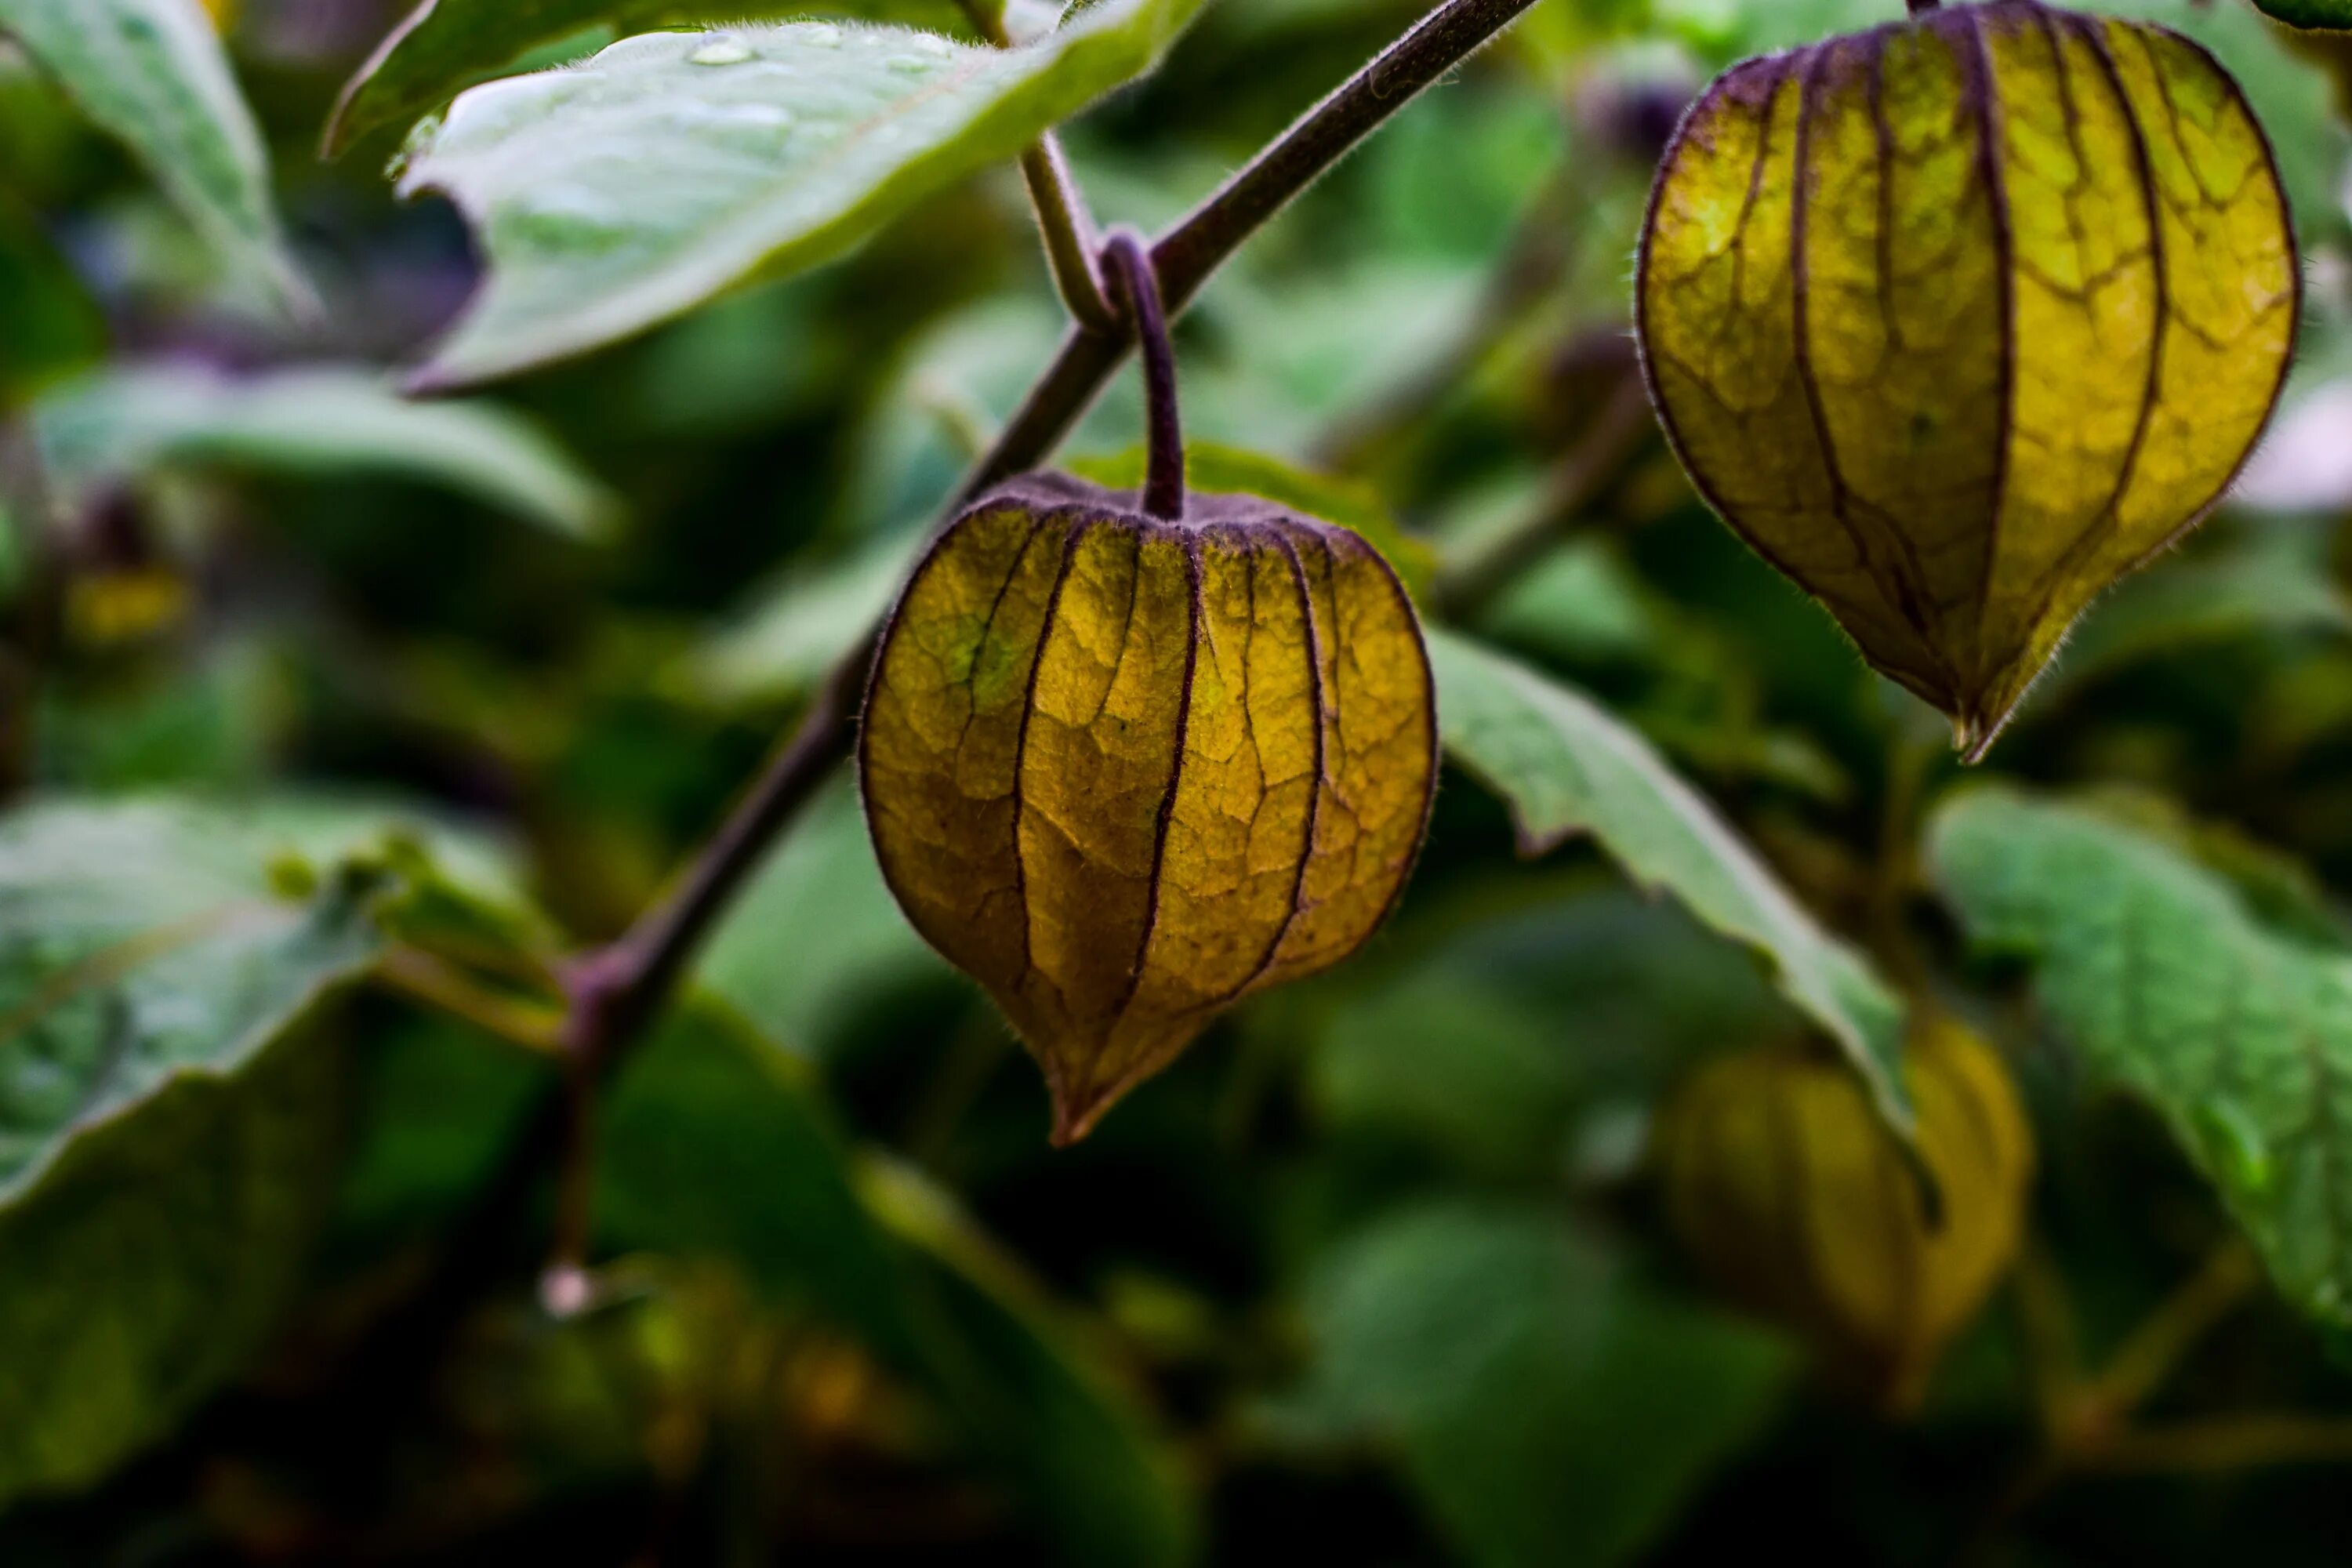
[
  {"x": 1130, "y": 756},
  {"x": 1788, "y": 1188},
  {"x": 1959, "y": 320}
]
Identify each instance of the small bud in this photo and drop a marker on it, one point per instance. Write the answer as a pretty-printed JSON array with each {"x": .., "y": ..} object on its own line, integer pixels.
[
  {"x": 1124, "y": 768},
  {"x": 1959, "y": 320},
  {"x": 1785, "y": 1187}
]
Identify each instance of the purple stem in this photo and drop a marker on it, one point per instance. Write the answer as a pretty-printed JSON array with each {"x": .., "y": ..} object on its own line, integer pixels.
[{"x": 1139, "y": 289}]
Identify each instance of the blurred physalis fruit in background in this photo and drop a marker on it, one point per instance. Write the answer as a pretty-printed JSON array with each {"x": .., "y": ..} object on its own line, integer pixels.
[
  {"x": 109, "y": 609},
  {"x": 1789, "y": 1191},
  {"x": 1959, "y": 320},
  {"x": 1125, "y": 769}
]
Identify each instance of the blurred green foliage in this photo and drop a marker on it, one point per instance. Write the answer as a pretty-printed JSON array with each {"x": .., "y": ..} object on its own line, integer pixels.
[{"x": 329, "y": 724}]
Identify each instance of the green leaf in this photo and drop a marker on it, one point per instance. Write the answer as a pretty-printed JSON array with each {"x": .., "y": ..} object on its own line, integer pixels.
[
  {"x": 2334, "y": 15},
  {"x": 1565, "y": 766},
  {"x": 1581, "y": 602},
  {"x": 1546, "y": 1409},
  {"x": 318, "y": 420},
  {"x": 630, "y": 188},
  {"x": 443, "y": 46},
  {"x": 49, "y": 326},
  {"x": 817, "y": 933},
  {"x": 2172, "y": 989},
  {"x": 166, "y": 1113},
  {"x": 155, "y": 1255},
  {"x": 144, "y": 941},
  {"x": 152, "y": 74},
  {"x": 713, "y": 1144},
  {"x": 1559, "y": 1000}
]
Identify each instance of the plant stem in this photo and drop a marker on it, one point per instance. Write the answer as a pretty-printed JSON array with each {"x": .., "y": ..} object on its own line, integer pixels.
[
  {"x": 426, "y": 977},
  {"x": 1130, "y": 267},
  {"x": 2141, "y": 1365},
  {"x": 988, "y": 24},
  {"x": 1068, "y": 231},
  {"x": 616, "y": 991},
  {"x": 1062, "y": 220},
  {"x": 1186, "y": 256},
  {"x": 2219, "y": 1444}
]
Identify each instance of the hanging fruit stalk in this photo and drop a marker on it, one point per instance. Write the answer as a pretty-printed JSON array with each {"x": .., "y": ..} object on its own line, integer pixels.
[
  {"x": 1129, "y": 757},
  {"x": 1957, "y": 320}
]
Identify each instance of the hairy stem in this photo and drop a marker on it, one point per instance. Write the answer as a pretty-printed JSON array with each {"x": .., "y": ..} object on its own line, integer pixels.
[
  {"x": 1131, "y": 266},
  {"x": 1068, "y": 231},
  {"x": 1063, "y": 221},
  {"x": 987, "y": 21}
]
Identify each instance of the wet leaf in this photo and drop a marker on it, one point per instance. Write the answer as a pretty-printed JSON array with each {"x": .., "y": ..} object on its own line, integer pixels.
[
  {"x": 1125, "y": 772},
  {"x": 152, "y": 74},
  {"x": 2165, "y": 980},
  {"x": 1957, "y": 458},
  {"x": 318, "y": 420},
  {"x": 1565, "y": 767},
  {"x": 623, "y": 191},
  {"x": 445, "y": 46}
]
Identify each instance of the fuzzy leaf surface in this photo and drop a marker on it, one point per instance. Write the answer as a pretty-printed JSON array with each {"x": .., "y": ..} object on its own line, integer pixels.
[
  {"x": 2156, "y": 970},
  {"x": 631, "y": 187}
]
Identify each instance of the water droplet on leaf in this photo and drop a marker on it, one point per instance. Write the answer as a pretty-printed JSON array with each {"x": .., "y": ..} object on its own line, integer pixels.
[{"x": 723, "y": 50}]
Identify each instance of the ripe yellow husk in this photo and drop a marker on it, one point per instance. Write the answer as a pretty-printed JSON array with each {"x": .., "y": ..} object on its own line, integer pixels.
[
  {"x": 1124, "y": 772},
  {"x": 1960, "y": 320},
  {"x": 1789, "y": 1191}
]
